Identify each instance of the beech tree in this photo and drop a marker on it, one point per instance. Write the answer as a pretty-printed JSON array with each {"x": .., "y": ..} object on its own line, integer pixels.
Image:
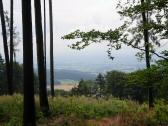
[
  {"x": 139, "y": 31},
  {"x": 147, "y": 54}
]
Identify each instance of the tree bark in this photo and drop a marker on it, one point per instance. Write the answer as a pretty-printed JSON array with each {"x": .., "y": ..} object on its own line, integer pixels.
[
  {"x": 40, "y": 58},
  {"x": 11, "y": 48},
  {"x": 5, "y": 44},
  {"x": 45, "y": 35},
  {"x": 147, "y": 56},
  {"x": 29, "y": 102},
  {"x": 51, "y": 50}
]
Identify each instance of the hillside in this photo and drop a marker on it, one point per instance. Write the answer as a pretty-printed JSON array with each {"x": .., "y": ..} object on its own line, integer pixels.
[{"x": 62, "y": 75}]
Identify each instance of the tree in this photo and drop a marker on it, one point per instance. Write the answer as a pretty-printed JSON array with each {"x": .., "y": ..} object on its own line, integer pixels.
[
  {"x": 100, "y": 80},
  {"x": 11, "y": 47},
  {"x": 51, "y": 49},
  {"x": 116, "y": 83},
  {"x": 17, "y": 78},
  {"x": 86, "y": 88},
  {"x": 132, "y": 11},
  {"x": 161, "y": 69},
  {"x": 137, "y": 32},
  {"x": 1, "y": 59},
  {"x": 29, "y": 102},
  {"x": 45, "y": 55},
  {"x": 40, "y": 58},
  {"x": 136, "y": 87},
  {"x": 147, "y": 53},
  {"x": 45, "y": 34},
  {"x": 114, "y": 38},
  {"x": 16, "y": 38},
  {"x": 140, "y": 13},
  {"x": 4, "y": 34},
  {"x": 2, "y": 77}
]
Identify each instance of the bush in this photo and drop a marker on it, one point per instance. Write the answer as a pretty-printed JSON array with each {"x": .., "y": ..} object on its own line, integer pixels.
[{"x": 161, "y": 112}]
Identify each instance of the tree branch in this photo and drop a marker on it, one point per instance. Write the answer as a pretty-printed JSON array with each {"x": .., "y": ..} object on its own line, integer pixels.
[{"x": 150, "y": 52}]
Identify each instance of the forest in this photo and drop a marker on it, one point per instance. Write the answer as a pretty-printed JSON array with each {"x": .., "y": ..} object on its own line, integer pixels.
[{"x": 112, "y": 98}]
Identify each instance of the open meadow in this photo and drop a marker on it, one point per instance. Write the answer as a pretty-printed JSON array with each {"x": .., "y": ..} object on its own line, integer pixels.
[{"x": 83, "y": 111}]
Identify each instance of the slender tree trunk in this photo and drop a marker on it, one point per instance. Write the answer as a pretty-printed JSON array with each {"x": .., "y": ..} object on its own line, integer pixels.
[
  {"x": 45, "y": 35},
  {"x": 11, "y": 48},
  {"x": 51, "y": 50},
  {"x": 6, "y": 52},
  {"x": 40, "y": 58},
  {"x": 29, "y": 102},
  {"x": 147, "y": 55},
  {"x": 45, "y": 55}
]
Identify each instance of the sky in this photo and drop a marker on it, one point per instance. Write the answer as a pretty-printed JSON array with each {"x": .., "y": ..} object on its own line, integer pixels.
[{"x": 69, "y": 15}]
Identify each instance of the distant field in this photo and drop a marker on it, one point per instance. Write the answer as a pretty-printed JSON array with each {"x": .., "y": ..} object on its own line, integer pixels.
[{"x": 65, "y": 87}]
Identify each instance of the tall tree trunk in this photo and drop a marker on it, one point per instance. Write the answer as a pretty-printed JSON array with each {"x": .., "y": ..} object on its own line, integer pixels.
[
  {"x": 40, "y": 58},
  {"x": 51, "y": 50},
  {"x": 45, "y": 35},
  {"x": 11, "y": 47},
  {"x": 29, "y": 102},
  {"x": 5, "y": 44},
  {"x": 147, "y": 56}
]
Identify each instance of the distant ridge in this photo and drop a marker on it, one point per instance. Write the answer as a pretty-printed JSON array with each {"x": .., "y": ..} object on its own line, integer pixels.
[{"x": 71, "y": 75}]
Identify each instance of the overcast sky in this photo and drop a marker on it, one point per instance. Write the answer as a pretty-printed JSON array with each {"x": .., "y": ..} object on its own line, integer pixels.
[{"x": 69, "y": 15}]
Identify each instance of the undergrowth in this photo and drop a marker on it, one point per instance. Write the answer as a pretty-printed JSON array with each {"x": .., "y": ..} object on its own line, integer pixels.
[{"x": 77, "y": 111}]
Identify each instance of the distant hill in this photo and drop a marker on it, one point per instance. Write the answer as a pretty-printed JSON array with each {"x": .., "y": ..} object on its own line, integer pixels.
[{"x": 62, "y": 75}]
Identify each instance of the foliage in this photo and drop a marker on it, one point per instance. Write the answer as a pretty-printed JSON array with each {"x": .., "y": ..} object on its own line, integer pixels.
[
  {"x": 100, "y": 81},
  {"x": 17, "y": 79},
  {"x": 90, "y": 108},
  {"x": 16, "y": 37},
  {"x": 86, "y": 38},
  {"x": 2, "y": 74},
  {"x": 132, "y": 85},
  {"x": 11, "y": 109},
  {"x": 131, "y": 33},
  {"x": 77, "y": 110},
  {"x": 115, "y": 83},
  {"x": 86, "y": 88},
  {"x": 161, "y": 112},
  {"x": 136, "y": 83},
  {"x": 60, "y": 92}
]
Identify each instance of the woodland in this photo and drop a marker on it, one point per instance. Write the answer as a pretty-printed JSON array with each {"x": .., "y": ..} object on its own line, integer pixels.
[{"x": 114, "y": 98}]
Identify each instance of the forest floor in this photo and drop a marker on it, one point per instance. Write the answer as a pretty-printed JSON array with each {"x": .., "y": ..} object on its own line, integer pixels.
[
  {"x": 57, "y": 121},
  {"x": 85, "y": 111}
]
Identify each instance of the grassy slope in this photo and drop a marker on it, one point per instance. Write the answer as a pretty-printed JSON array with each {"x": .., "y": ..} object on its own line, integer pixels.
[{"x": 82, "y": 111}]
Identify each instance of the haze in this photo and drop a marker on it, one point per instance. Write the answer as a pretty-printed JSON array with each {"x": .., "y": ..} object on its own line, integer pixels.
[{"x": 70, "y": 15}]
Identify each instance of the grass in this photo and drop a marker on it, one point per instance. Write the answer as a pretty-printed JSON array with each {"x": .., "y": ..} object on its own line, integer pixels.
[{"x": 82, "y": 111}]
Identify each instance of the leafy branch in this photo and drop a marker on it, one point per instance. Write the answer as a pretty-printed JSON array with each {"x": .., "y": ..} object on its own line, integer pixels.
[{"x": 115, "y": 39}]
